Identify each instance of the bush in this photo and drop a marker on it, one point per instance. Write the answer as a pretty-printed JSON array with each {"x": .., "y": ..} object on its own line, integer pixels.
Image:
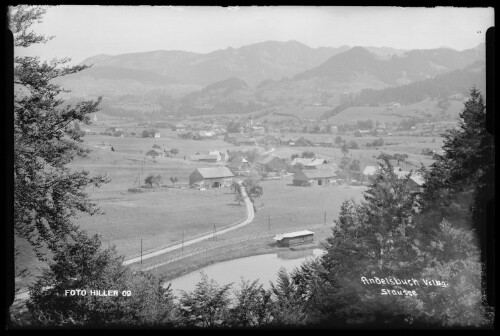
[{"x": 353, "y": 145}]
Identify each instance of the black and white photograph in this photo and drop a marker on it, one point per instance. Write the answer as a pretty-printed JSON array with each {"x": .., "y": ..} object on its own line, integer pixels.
[{"x": 250, "y": 167}]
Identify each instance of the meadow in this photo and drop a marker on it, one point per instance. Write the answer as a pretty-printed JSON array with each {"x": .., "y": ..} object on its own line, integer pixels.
[
  {"x": 160, "y": 215},
  {"x": 281, "y": 207},
  {"x": 368, "y": 157},
  {"x": 425, "y": 109}
]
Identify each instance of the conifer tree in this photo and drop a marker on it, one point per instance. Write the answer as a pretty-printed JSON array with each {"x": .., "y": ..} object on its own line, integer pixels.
[
  {"x": 82, "y": 264},
  {"x": 47, "y": 193}
]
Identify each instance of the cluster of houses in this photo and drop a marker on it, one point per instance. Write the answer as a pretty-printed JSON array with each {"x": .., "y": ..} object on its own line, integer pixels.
[
  {"x": 306, "y": 172},
  {"x": 240, "y": 139},
  {"x": 415, "y": 180},
  {"x": 120, "y": 132}
]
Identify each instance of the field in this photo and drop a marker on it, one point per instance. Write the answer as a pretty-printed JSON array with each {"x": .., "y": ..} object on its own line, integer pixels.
[
  {"x": 281, "y": 207},
  {"x": 368, "y": 157},
  {"x": 425, "y": 109},
  {"x": 291, "y": 206},
  {"x": 292, "y": 112},
  {"x": 128, "y": 159},
  {"x": 160, "y": 216}
]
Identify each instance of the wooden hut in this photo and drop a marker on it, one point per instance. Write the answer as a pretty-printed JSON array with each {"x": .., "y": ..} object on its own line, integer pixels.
[{"x": 294, "y": 238}]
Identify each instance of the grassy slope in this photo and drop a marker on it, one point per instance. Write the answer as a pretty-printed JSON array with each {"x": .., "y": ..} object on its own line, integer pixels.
[
  {"x": 381, "y": 114},
  {"x": 159, "y": 216},
  {"x": 367, "y": 157},
  {"x": 289, "y": 205}
]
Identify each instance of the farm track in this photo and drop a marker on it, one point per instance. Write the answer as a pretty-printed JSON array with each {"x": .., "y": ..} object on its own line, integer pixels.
[
  {"x": 24, "y": 294},
  {"x": 151, "y": 254}
]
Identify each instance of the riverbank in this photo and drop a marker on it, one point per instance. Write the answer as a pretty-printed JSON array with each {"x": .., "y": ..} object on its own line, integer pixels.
[{"x": 245, "y": 249}]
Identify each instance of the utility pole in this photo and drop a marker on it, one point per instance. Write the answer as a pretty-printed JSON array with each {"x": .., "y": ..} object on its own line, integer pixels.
[
  {"x": 325, "y": 216},
  {"x": 141, "y": 250},
  {"x": 214, "y": 231}
]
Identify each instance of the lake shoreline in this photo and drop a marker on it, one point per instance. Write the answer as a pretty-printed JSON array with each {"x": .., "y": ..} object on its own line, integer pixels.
[{"x": 232, "y": 252}]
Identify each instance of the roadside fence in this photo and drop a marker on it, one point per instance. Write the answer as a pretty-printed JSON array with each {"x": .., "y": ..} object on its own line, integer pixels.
[{"x": 179, "y": 256}]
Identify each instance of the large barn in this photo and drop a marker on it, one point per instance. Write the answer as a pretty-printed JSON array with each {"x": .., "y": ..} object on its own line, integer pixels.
[
  {"x": 215, "y": 177},
  {"x": 313, "y": 177},
  {"x": 271, "y": 163}
]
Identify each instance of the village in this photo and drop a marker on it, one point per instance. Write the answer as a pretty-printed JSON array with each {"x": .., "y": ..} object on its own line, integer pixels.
[
  {"x": 176, "y": 181},
  {"x": 252, "y": 150}
]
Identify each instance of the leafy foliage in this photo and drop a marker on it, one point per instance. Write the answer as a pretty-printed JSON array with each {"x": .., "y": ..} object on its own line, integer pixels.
[
  {"x": 345, "y": 149},
  {"x": 238, "y": 198},
  {"x": 153, "y": 179},
  {"x": 376, "y": 143},
  {"x": 308, "y": 154},
  {"x": 83, "y": 264},
  {"x": 352, "y": 145},
  {"x": 252, "y": 306},
  {"x": 174, "y": 151},
  {"x": 206, "y": 306}
]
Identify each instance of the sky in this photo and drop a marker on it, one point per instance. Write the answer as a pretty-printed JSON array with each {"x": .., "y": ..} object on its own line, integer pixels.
[{"x": 84, "y": 31}]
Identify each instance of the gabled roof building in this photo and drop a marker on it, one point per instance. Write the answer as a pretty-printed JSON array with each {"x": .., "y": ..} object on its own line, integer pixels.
[
  {"x": 271, "y": 163},
  {"x": 314, "y": 177},
  {"x": 215, "y": 177}
]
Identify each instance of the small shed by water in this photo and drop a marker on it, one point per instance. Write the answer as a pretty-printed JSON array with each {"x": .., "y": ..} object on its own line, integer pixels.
[{"x": 294, "y": 238}]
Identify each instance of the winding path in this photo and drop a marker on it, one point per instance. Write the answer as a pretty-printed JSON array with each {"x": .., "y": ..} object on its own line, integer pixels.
[
  {"x": 249, "y": 219},
  {"x": 22, "y": 296}
]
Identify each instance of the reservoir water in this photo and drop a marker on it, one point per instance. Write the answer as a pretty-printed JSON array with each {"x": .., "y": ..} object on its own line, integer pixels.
[{"x": 263, "y": 267}]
